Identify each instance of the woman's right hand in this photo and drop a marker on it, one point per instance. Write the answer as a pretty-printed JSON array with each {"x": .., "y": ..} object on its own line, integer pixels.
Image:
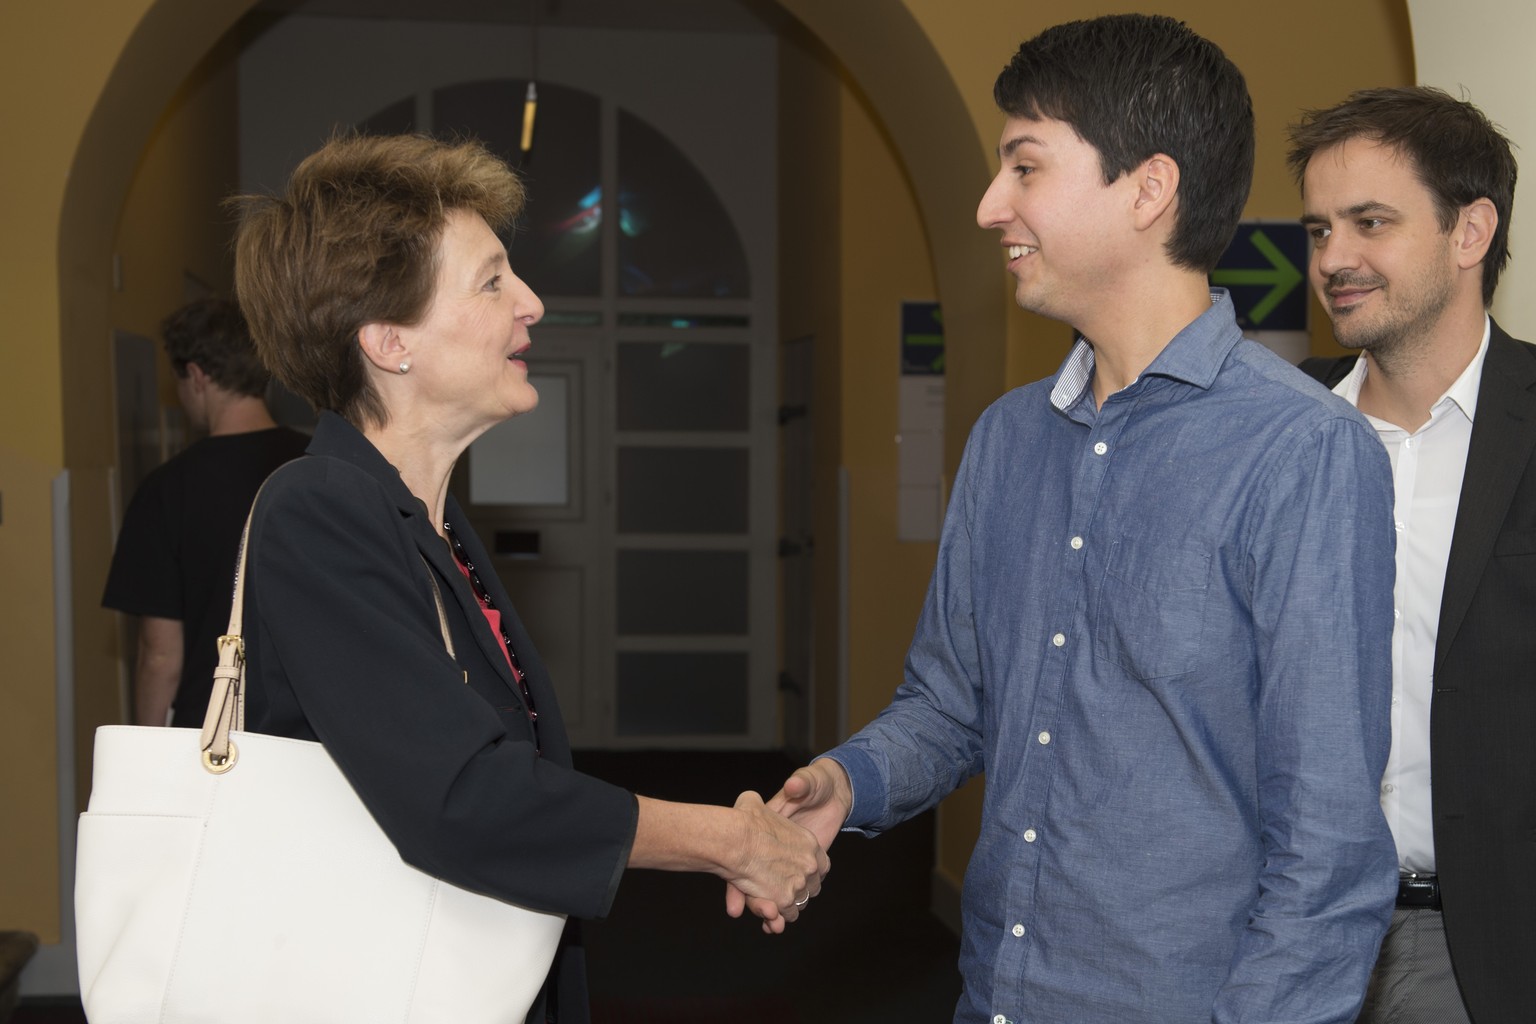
[
  {"x": 780, "y": 867},
  {"x": 772, "y": 860}
]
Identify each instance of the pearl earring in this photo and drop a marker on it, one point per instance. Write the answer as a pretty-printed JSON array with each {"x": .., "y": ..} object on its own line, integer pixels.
[{"x": 405, "y": 367}]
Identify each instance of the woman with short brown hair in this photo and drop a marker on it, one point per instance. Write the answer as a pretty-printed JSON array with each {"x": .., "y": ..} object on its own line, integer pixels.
[{"x": 376, "y": 287}]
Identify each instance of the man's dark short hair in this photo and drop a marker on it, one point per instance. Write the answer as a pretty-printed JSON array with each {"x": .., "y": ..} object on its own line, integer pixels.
[
  {"x": 1132, "y": 86},
  {"x": 212, "y": 333},
  {"x": 1458, "y": 154}
]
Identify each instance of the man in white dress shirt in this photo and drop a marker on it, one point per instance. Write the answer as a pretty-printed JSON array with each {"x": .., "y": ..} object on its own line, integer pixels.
[{"x": 1407, "y": 195}]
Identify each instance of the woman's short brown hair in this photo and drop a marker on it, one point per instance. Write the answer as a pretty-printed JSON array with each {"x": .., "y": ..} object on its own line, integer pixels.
[{"x": 353, "y": 241}]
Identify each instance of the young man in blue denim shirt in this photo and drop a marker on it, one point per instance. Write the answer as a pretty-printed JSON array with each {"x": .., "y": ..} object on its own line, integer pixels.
[{"x": 1162, "y": 611}]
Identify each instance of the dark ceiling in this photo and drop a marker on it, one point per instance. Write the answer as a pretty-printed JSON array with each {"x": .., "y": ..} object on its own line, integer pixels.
[{"x": 674, "y": 15}]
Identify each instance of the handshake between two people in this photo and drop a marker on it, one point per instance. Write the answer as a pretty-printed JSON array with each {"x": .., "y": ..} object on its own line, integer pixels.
[
  {"x": 771, "y": 855},
  {"x": 796, "y": 828}
]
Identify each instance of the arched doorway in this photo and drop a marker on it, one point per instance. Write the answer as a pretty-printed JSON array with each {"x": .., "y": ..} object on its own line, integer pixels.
[
  {"x": 632, "y": 516},
  {"x": 159, "y": 50}
]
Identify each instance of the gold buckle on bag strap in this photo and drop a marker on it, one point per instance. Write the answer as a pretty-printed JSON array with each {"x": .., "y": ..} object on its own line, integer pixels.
[{"x": 220, "y": 765}]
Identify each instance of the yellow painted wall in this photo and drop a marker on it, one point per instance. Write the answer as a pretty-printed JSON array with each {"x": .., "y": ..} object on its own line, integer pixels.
[
  {"x": 83, "y": 86},
  {"x": 29, "y": 863},
  {"x": 172, "y": 223},
  {"x": 884, "y": 262},
  {"x": 43, "y": 111},
  {"x": 55, "y": 66},
  {"x": 809, "y": 303},
  {"x": 1492, "y": 67}
]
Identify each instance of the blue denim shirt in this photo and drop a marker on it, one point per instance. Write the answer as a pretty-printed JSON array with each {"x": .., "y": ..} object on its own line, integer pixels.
[{"x": 1163, "y": 628}]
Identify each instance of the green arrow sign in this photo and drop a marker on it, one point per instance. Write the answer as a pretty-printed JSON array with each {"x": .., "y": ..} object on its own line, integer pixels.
[{"x": 1281, "y": 275}]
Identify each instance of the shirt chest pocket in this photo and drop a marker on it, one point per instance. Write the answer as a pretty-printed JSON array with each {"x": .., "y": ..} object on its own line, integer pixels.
[{"x": 1150, "y": 613}]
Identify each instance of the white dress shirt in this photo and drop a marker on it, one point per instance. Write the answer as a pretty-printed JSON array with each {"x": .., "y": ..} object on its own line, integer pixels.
[{"x": 1427, "y": 468}]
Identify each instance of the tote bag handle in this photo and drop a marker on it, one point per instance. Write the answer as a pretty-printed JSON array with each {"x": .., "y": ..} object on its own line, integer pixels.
[{"x": 226, "y": 705}]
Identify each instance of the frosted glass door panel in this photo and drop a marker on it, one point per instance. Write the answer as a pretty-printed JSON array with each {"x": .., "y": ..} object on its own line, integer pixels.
[
  {"x": 675, "y": 385},
  {"x": 682, "y": 693},
  {"x": 527, "y": 459},
  {"x": 683, "y": 490},
  {"x": 672, "y": 593}
]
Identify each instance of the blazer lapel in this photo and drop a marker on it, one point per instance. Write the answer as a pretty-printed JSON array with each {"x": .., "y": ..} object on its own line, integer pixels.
[
  {"x": 456, "y": 590},
  {"x": 1503, "y": 437}
]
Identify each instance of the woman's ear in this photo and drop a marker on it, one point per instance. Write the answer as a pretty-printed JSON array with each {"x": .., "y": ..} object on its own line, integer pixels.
[{"x": 383, "y": 346}]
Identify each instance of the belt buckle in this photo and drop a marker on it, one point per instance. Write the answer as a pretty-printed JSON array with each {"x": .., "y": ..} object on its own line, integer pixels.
[{"x": 1421, "y": 892}]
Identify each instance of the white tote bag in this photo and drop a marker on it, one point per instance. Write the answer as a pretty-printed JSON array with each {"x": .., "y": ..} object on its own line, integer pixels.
[{"x": 237, "y": 877}]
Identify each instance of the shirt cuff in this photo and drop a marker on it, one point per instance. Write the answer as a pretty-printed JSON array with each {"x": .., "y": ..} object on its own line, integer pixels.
[{"x": 868, "y": 789}]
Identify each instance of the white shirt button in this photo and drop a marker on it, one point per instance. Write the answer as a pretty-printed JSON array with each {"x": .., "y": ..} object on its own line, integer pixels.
[
  {"x": 999, "y": 1019},
  {"x": 1044, "y": 738},
  {"x": 1100, "y": 448},
  {"x": 1077, "y": 543},
  {"x": 1388, "y": 788},
  {"x": 1018, "y": 931},
  {"x": 1398, "y": 526},
  {"x": 1407, "y": 442},
  {"x": 1058, "y": 639},
  {"x": 1029, "y": 835},
  {"x": 1395, "y": 701},
  {"x": 1397, "y": 613}
]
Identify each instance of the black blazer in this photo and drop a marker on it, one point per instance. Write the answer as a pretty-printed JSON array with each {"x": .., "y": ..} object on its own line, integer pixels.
[
  {"x": 344, "y": 647},
  {"x": 1483, "y": 711}
]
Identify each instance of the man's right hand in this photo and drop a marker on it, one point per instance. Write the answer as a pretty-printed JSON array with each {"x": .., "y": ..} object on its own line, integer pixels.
[{"x": 819, "y": 797}]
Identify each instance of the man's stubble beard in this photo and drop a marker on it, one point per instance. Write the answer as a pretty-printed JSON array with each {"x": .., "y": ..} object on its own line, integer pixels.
[{"x": 1397, "y": 335}]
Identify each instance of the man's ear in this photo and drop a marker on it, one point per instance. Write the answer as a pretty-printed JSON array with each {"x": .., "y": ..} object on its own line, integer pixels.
[
  {"x": 1157, "y": 189},
  {"x": 1473, "y": 233},
  {"x": 198, "y": 380},
  {"x": 383, "y": 346}
]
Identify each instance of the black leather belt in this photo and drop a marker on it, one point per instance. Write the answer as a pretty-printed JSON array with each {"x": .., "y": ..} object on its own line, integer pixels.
[{"x": 1420, "y": 892}]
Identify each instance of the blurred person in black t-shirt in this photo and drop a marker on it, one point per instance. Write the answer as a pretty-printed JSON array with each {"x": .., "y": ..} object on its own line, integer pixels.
[{"x": 175, "y": 559}]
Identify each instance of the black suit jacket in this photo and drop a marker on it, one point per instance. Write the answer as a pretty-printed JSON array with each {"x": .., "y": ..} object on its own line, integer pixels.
[
  {"x": 1483, "y": 711},
  {"x": 344, "y": 647}
]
